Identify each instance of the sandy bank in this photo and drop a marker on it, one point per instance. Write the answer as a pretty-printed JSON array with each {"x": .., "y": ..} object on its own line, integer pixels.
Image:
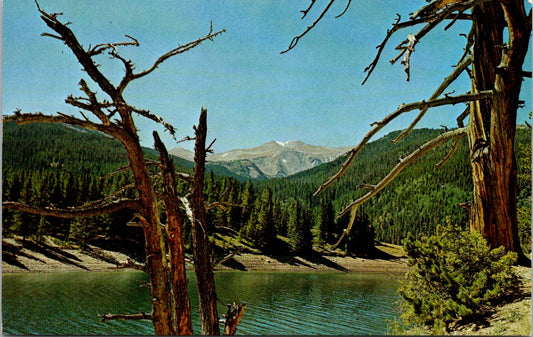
[
  {"x": 49, "y": 257},
  {"x": 253, "y": 262}
]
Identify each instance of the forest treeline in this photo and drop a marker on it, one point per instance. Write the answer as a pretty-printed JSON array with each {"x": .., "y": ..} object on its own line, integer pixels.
[{"x": 63, "y": 166}]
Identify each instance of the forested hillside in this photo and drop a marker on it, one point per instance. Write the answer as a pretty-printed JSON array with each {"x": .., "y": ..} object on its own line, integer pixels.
[
  {"x": 54, "y": 164},
  {"x": 421, "y": 197}
]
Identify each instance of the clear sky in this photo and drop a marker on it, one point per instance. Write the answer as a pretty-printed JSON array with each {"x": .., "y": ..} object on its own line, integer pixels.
[{"x": 253, "y": 94}]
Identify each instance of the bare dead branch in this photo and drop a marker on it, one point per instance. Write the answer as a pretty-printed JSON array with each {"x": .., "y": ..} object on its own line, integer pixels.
[
  {"x": 453, "y": 150},
  {"x": 295, "y": 40},
  {"x": 462, "y": 116},
  {"x": 420, "y": 151},
  {"x": 370, "y": 68},
  {"x": 409, "y": 49},
  {"x": 348, "y": 228},
  {"x": 178, "y": 50},
  {"x": 186, "y": 139},
  {"x": 28, "y": 118},
  {"x": 469, "y": 42},
  {"x": 305, "y": 11},
  {"x": 442, "y": 138},
  {"x": 208, "y": 148},
  {"x": 100, "y": 48},
  {"x": 365, "y": 185},
  {"x": 457, "y": 71},
  {"x": 455, "y": 147},
  {"x": 348, "y": 3},
  {"x": 134, "y": 317},
  {"x": 432, "y": 19},
  {"x": 438, "y": 5},
  {"x": 352, "y": 154},
  {"x": 68, "y": 37},
  {"x": 233, "y": 317},
  {"x": 147, "y": 114},
  {"x": 70, "y": 213}
]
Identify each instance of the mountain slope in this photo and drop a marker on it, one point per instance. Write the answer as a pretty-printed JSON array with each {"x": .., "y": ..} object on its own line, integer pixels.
[
  {"x": 420, "y": 198},
  {"x": 43, "y": 146}
]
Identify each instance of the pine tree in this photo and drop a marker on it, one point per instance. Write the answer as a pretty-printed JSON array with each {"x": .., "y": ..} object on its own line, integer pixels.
[
  {"x": 265, "y": 222},
  {"x": 326, "y": 221},
  {"x": 299, "y": 227},
  {"x": 247, "y": 201},
  {"x": 361, "y": 238}
]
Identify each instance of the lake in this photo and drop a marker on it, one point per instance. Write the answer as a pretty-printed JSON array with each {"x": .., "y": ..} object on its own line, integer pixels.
[{"x": 277, "y": 303}]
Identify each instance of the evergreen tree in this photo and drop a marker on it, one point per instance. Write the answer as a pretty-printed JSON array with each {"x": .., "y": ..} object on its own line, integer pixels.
[
  {"x": 326, "y": 221},
  {"x": 265, "y": 222},
  {"x": 299, "y": 227},
  {"x": 361, "y": 238},
  {"x": 247, "y": 201}
]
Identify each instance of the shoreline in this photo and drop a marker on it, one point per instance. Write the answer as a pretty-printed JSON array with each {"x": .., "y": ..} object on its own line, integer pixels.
[{"x": 49, "y": 257}]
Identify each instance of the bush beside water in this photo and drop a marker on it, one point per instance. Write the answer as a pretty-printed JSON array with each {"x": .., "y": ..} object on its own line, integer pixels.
[{"x": 454, "y": 277}]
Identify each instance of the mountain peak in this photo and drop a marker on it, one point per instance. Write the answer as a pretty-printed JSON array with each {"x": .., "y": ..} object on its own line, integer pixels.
[
  {"x": 290, "y": 143},
  {"x": 272, "y": 159}
]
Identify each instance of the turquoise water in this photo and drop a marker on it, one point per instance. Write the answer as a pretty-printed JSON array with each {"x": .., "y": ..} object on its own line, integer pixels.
[{"x": 277, "y": 303}]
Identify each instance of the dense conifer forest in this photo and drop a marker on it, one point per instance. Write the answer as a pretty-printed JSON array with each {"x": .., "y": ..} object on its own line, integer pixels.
[{"x": 46, "y": 164}]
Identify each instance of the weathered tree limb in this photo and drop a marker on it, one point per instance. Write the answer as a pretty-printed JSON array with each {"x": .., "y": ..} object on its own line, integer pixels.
[
  {"x": 233, "y": 317},
  {"x": 68, "y": 37},
  {"x": 433, "y": 19},
  {"x": 348, "y": 228},
  {"x": 457, "y": 71},
  {"x": 401, "y": 109},
  {"x": 295, "y": 40},
  {"x": 375, "y": 189},
  {"x": 147, "y": 114},
  {"x": 453, "y": 150},
  {"x": 100, "y": 48},
  {"x": 409, "y": 49},
  {"x": 455, "y": 147},
  {"x": 178, "y": 50},
  {"x": 28, "y": 118},
  {"x": 135, "y": 317},
  {"x": 69, "y": 213},
  {"x": 305, "y": 11},
  {"x": 457, "y": 133}
]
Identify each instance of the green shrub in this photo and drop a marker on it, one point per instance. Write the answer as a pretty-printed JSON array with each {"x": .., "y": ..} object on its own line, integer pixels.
[{"x": 454, "y": 275}]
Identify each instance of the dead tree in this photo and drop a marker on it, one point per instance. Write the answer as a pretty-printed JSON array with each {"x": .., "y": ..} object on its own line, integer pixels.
[
  {"x": 494, "y": 56},
  {"x": 171, "y": 314}
]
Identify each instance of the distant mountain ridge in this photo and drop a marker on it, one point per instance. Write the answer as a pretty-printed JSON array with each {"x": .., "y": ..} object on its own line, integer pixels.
[{"x": 274, "y": 159}]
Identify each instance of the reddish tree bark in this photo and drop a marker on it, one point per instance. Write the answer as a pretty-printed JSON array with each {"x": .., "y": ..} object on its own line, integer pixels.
[{"x": 497, "y": 65}]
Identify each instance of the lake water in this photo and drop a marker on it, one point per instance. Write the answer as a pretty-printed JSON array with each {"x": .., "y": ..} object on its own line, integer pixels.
[{"x": 277, "y": 303}]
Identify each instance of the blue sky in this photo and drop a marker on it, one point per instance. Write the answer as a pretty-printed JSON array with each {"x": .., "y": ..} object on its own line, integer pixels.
[{"x": 253, "y": 94}]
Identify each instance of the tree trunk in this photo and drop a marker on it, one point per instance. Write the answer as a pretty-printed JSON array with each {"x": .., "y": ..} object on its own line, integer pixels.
[
  {"x": 181, "y": 313},
  {"x": 492, "y": 124},
  {"x": 203, "y": 264},
  {"x": 156, "y": 261}
]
